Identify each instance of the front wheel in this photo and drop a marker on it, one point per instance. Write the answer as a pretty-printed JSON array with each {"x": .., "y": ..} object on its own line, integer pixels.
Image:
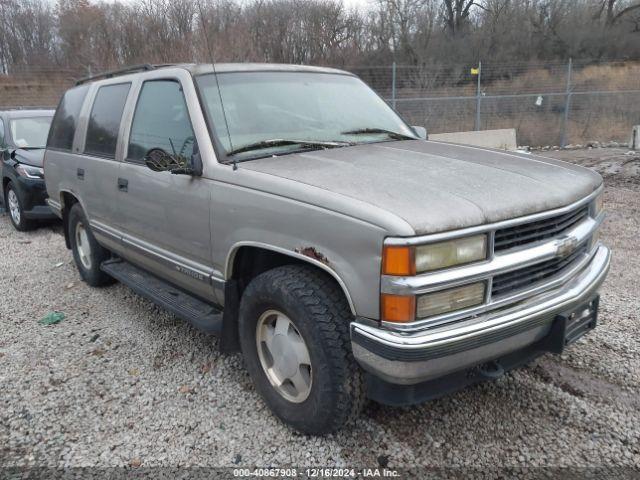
[
  {"x": 15, "y": 208},
  {"x": 88, "y": 254},
  {"x": 294, "y": 335}
]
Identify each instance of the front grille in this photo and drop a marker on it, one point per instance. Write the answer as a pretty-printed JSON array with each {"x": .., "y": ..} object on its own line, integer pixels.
[
  {"x": 522, "y": 278},
  {"x": 510, "y": 237}
]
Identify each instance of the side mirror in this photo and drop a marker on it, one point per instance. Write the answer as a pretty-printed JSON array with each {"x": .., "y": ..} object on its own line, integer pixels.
[
  {"x": 158, "y": 160},
  {"x": 420, "y": 132}
]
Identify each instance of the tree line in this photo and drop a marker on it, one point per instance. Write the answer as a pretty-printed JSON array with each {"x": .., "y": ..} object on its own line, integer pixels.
[{"x": 90, "y": 36}]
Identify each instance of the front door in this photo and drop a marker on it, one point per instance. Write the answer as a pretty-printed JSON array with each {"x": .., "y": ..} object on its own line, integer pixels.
[{"x": 165, "y": 218}]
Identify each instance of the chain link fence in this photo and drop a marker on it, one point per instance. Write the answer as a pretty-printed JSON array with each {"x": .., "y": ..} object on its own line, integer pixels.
[
  {"x": 548, "y": 104},
  {"x": 553, "y": 104}
]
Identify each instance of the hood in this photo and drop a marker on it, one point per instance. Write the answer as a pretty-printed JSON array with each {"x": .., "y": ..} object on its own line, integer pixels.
[
  {"x": 33, "y": 157},
  {"x": 438, "y": 186}
]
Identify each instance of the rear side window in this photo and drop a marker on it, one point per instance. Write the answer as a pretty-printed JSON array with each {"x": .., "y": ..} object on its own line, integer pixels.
[
  {"x": 161, "y": 120},
  {"x": 65, "y": 121},
  {"x": 104, "y": 122}
]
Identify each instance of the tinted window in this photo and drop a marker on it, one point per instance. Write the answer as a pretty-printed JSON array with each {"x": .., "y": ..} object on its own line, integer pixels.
[
  {"x": 65, "y": 120},
  {"x": 161, "y": 120},
  {"x": 1, "y": 133},
  {"x": 104, "y": 122}
]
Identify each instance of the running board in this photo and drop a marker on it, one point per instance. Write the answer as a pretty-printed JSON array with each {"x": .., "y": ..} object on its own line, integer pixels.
[{"x": 201, "y": 315}]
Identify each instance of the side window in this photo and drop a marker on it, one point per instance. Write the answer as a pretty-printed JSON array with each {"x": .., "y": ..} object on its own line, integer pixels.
[
  {"x": 65, "y": 121},
  {"x": 161, "y": 120},
  {"x": 104, "y": 122},
  {"x": 2, "y": 143}
]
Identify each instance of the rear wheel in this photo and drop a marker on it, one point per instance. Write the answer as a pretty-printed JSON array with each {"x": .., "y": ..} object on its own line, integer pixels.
[
  {"x": 294, "y": 334},
  {"x": 15, "y": 209},
  {"x": 88, "y": 254}
]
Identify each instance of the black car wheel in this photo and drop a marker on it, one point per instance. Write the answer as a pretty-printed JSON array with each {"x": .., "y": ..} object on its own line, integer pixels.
[
  {"x": 294, "y": 335},
  {"x": 14, "y": 206}
]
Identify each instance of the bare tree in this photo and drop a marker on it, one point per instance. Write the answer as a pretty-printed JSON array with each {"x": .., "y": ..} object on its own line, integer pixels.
[
  {"x": 614, "y": 10},
  {"x": 89, "y": 35},
  {"x": 456, "y": 13}
]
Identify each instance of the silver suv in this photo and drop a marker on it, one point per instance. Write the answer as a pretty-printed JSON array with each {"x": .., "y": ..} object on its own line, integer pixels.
[{"x": 291, "y": 211}]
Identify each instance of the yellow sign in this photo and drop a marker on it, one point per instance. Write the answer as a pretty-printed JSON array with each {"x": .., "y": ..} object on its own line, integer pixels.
[{"x": 475, "y": 71}]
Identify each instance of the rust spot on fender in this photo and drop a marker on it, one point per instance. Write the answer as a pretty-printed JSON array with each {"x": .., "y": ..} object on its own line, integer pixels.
[{"x": 311, "y": 252}]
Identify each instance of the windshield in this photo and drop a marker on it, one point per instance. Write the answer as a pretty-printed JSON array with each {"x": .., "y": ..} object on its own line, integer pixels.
[
  {"x": 273, "y": 113},
  {"x": 30, "y": 132}
]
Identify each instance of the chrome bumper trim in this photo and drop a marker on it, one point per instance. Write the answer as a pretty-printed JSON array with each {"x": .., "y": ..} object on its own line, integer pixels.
[{"x": 470, "y": 342}]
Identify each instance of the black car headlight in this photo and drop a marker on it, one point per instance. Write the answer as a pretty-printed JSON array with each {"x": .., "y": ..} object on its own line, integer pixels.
[{"x": 29, "y": 171}]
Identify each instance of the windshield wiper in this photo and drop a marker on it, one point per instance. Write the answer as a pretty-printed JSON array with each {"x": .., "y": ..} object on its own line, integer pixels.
[
  {"x": 281, "y": 142},
  {"x": 390, "y": 133}
]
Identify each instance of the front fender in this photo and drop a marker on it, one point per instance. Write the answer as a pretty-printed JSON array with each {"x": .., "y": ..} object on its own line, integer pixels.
[{"x": 347, "y": 248}]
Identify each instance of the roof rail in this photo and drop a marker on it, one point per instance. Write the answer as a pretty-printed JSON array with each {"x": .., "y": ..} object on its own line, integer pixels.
[{"x": 121, "y": 71}]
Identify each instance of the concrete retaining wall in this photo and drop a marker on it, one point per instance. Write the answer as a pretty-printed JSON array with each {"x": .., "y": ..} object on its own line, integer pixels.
[{"x": 500, "y": 139}]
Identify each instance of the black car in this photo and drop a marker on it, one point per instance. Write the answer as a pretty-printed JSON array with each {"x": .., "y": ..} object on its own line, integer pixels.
[{"x": 23, "y": 137}]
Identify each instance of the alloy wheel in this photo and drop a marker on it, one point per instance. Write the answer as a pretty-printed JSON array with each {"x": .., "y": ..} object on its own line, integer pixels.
[
  {"x": 83, "y": 246},
  {"x": 14, "y": 206},
  {"x": 284, "y": 356}
]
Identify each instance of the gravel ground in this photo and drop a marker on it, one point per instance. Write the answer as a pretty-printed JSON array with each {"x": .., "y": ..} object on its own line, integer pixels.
[{"x": 121, "y": 383}]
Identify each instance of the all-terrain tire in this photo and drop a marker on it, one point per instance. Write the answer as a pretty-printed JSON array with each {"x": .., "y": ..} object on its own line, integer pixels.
[
  {"x": 320, "y": 313},
  {"x": 87, "y": 260}
]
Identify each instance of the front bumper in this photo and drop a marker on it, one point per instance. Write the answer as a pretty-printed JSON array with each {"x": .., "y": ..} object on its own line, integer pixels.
[
  {"x": 33, "y": 194},
  {"x": 413, "y": 357}
]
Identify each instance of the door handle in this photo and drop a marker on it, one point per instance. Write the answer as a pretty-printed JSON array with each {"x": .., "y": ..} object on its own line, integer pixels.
[
  {"x": 81, "y": 173},
  {"x": 123, "y": 184}
]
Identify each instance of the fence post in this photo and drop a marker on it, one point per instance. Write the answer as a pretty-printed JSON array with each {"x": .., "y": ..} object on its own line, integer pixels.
[
  {"x": 567, "y": 106},
  {"x": 479, "y": 97},
  {"x": 393, "y": 85}
]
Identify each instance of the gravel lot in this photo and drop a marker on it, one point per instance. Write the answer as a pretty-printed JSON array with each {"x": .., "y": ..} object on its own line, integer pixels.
[{"x": 119, "y": 382}]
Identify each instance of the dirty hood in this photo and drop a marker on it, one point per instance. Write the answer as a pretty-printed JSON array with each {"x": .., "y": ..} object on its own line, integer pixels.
[
  {"x": 33, "y": 157},
  {"x": 438, "y": 186}
]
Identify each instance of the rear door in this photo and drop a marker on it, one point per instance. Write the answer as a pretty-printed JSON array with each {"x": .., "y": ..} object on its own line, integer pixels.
[
  {"x": 64, "y": 149},
  {"x": 165, "y": 218},
  {"x": 97, "y": 169}
]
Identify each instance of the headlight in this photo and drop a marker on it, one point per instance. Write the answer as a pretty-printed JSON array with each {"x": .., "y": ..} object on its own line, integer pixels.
[
  {"x": 408, "y": 260},
  {"x": 29, "y": 171},
  {"x": 598, "y": 205},
  {"x": 449, "y": 300},
  {"x": 451, "y": 253}
]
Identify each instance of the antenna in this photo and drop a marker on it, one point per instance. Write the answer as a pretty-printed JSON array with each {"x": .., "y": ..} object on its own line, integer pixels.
[{"x": 215, "y": 75}]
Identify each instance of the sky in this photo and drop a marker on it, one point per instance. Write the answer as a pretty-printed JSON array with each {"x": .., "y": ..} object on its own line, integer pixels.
[{"x": 360, "y": 4}]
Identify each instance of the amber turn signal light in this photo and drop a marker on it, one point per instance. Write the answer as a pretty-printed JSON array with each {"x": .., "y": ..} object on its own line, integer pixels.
[
  {"x": 398, "y": 261},
  {"x": 398, "y": 308}
]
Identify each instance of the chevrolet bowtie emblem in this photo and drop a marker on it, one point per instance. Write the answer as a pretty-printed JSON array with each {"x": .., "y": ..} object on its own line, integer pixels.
[{"x": 566, "y": 246}]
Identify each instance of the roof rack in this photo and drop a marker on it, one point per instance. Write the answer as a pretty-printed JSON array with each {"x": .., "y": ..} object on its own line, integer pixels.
[{"x": 122, "y": 71}]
